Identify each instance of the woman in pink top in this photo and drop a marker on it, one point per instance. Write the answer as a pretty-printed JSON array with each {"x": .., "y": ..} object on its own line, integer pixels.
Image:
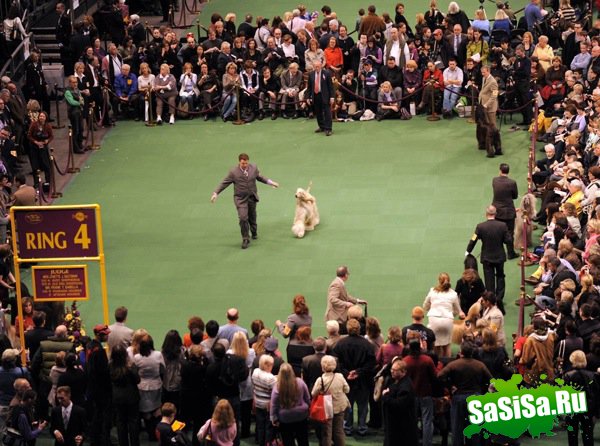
[
  {"x": 593, "y": 231},
  {"x": 221, "y": 428}
]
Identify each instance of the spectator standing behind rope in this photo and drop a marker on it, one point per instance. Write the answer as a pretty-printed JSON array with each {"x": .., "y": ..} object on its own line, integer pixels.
[
  {"x": 221, "y": 428},
  {"x": 75, "y": 102}
]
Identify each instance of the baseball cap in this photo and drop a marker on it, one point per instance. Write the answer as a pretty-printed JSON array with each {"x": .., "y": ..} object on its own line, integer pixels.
[
  {"x": 271, "y": 344},
  {"x": 101, "y": 329}
]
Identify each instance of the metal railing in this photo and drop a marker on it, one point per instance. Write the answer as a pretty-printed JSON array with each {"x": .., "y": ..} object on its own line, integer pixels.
[{"x": 15, "y": 65}]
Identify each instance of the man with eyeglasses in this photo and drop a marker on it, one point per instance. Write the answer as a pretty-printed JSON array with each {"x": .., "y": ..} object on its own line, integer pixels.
[
  {"x": 399, "y": 409},
  {"x": 572, "y": 44}
]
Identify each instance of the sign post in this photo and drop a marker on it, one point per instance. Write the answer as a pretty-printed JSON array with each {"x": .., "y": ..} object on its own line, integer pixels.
[{"x": 58, "y": 234}]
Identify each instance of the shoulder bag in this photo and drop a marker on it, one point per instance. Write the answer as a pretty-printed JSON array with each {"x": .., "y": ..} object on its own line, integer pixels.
[{"x": 321, "y": 407}]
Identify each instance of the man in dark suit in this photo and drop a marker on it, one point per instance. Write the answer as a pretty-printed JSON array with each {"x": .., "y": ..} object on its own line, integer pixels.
[
  {"x": 320, "y": 93},
  {"x": 457, "y": 42},
  {"x": 38, "y": 334},
  {"x": 493, "y": 234},
  {"x": 245, "y": 195},
  {"x": 505, "y": 191},
  {"x": 63, "y": 37},
  {"x": 544, "y": 292},
  {"x": 311, "y": 364},
  {"x": 68, "y": 422}
]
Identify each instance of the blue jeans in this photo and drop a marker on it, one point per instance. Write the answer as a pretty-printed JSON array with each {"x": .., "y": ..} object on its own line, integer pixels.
[
  {"x": 360, "y": 395},
  {"x": 229, "y": 105},
  {"x": 450, "y": 97},
  {"x": 264, "y": 428},
  {"x": 425, "y": 408},
  {"x": 458, "y": 415}
]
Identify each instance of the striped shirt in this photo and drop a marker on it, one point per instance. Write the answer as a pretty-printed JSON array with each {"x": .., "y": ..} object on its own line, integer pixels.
[{"x": 263, "y": 386}]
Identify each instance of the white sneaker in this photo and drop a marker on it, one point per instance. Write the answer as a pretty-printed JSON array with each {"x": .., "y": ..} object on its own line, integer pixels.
[
  {"x": 159, "y": 121},
  {"x": 172, "y": 120}
]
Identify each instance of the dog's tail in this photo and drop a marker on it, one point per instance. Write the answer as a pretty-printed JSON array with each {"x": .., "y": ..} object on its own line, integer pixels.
[{"x": 309, "y": 186}]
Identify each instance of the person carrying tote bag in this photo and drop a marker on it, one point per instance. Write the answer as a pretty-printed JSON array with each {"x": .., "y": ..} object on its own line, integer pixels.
[{"x": 336, "y": 385}]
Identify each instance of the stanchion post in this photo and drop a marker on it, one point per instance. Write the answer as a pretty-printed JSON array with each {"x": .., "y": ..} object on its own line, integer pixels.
[
  {"x": 40, "y": 186},
  {"x": 171, "y": 16},
  {"x": 536, "y": 111},
  {"x": 92, "y": 145},
  {"x": 198, "y": 29},
  {"x": 434, "y": 116},
  {"x": 53, "y": 192},
  {"x": 71, "y": 164},
  {"x": 151, "y": 122},
  {"x": 58, "y": 124},
  {"x": 239, "y": 120}
]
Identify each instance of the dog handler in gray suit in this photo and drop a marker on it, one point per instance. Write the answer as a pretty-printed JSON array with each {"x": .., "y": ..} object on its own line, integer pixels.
[{"x": 245, "y": 196}]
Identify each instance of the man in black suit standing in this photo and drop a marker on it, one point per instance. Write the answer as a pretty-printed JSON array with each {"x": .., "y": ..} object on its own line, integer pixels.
[
  {"x": 245, "y": 196},
  {"x": 493, "y": 234},
  {"x": 68, "y": 422},
  {"x": 505, "y": 191},
  {"x": 63, "y": 37},
  {"x": 320, "y": 93}
]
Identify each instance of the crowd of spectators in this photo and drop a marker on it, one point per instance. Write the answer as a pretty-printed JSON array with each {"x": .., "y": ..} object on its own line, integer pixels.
[
  {"x": 379, "y": 64},
  {"x": 214, "y": 377},
  {"x": 221, "y": 380}
]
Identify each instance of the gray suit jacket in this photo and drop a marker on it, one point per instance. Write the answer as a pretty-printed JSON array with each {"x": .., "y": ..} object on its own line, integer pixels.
[
  {"x": 244, "y": 186},
  {"x": 337, "y": 297}
]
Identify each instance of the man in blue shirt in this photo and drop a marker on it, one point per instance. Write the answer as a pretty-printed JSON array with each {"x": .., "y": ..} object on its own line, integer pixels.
[
  {"x": 533, "y": 14},
  {"x": 126, "y": 87}
]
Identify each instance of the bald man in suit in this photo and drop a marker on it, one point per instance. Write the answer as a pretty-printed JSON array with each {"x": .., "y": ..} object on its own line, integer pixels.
[
  {"x": 338, "y": 299},
  {"x": 245, "y": 195}
]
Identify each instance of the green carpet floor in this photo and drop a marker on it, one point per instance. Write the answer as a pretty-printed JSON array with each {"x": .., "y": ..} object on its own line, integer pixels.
[{"x": 398, "y": 203}]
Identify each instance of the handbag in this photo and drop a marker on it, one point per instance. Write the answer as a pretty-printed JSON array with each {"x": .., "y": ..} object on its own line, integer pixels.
[
  {"x": 321, "y": 407},
  {"x": 207, "y": 440},
  {"x": 12, "y": 437},
  {"x": 379, "y": 381}
]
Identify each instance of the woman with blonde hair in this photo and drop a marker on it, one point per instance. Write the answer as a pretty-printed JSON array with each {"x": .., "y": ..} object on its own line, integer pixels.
[
  {"x": 334, "y": 384},
  {"x": 165, "y": 88},
  {"x": 221, "y": 428},
  {"x": 593, "y": 232},
  {"x": 389, "y": 102},
  {"x": 481, "y": 22},
  {"x": 290, "y": 401},
  {"x": 299, "y": 318},
  {"x": 589, "y": 293},
  {"x": 582, "y": 379},
  {"x": 145, "y": 84},
  {"x": 134, "y": 347},
  {"x": 239, "y": 347},
  {"x": 502, "y": 22},
  {"x": 231, "y": 79},
  {"x": 442, "y": 306}
]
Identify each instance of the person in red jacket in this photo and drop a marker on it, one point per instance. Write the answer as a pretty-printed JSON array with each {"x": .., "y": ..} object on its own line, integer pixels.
[{"x": 433, "y": 87}]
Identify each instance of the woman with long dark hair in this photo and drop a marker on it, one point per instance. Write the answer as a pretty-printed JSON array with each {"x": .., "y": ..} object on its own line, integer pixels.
[
  {"x": 196, "y": 404},
  {"x": 125, "y": 396},
  {"x": 172, "y": 352}
]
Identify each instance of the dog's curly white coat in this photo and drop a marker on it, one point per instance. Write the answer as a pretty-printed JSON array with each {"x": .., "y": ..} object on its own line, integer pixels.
[{"x": 307, "y": 213}]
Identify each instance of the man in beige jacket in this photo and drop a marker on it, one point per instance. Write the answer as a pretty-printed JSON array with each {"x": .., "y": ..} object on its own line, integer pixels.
[{"x": 338, "y": 299}]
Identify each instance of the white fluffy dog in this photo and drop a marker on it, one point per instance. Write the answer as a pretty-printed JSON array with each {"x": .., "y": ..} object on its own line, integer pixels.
[{"x": 307, "y": 214}]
